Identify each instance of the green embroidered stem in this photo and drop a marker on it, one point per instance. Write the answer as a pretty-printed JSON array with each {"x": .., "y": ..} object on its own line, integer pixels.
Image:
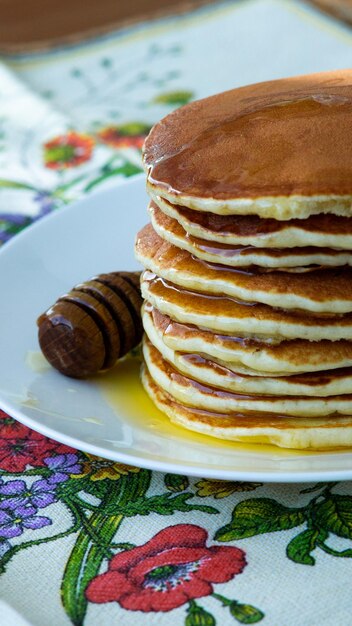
[
  {"x": 12, "y": 184},
  {"x": 64, "y": 187},
  {"x": 98, "y": 531},
  {"x": 319, "y": 487},
  {"x": 344, "y": 553},
  {"x": 77, "y": 501},
  {"x": 122, "y": 546},
  {"x": 243, "y": 613},
  {"x": 222, "y": 599},
  {"x": 38, "y": 471},
  {"x": 88, "y": 527},
  {"x": 126, "y": 170},
  {"x": 36, "y": 542}
]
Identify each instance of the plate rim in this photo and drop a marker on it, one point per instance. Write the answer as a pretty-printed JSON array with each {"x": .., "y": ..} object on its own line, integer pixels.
[{"x": 193, "y": 470}]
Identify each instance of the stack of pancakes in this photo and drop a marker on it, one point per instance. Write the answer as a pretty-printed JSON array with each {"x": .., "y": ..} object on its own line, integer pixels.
[{"x": 248, "y": 280}]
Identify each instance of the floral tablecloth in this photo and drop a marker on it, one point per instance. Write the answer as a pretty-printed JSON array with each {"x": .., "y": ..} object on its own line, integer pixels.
[{"x": 86, "y": 541}]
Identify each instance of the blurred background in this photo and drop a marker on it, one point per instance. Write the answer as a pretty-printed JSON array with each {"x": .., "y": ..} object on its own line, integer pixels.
[
  {"x": 83, "y": 81},
  {"x": 35, "y": 23}
]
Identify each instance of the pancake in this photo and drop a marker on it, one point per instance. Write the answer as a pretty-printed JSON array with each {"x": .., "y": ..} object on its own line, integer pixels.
[
  {"x": 326, "y": 231},
  {"x": 248, "y": 356},
  {"x": 229, "y": 317},
  {"x": 187, "y": 391},
  {"x": 217, "y": 374},
  {"x": 321, "y": 291},
  {"x": 286, "y": 432},
  {"x": 279, "y": 149},
  {"x": 243, "y": 256}
]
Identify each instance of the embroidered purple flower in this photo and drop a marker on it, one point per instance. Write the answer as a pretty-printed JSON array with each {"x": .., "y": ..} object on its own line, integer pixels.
[
  {"x": 62, "y": 465},
  {"x": 14, "y": 522},
  {"x": 45, "y": 201},
  {"x": 17, "y": 493}
]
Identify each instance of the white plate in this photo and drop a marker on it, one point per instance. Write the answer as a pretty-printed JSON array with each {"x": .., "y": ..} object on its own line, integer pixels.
[{"x": 110, "y": 416}]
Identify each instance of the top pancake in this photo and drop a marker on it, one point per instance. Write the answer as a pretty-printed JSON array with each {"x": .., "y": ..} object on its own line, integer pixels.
[{"x": 279, "y": 149}]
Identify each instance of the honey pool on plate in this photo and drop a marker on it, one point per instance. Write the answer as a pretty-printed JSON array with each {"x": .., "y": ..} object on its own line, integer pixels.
[{"x": 123, "y": 391}]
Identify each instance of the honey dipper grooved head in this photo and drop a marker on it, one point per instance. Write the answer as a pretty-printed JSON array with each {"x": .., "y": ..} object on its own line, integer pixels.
[{"x": 93, "y": 325}]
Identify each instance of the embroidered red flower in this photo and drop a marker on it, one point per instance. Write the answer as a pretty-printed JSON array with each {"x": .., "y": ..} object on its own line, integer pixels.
[
  {"x": 29, "y": 449},
  {"x": 10, "y": 427},
  {"x": 69, "y": 150},
  {"x": 174, "y": 567},
  {"x": 129, "y": 135}
]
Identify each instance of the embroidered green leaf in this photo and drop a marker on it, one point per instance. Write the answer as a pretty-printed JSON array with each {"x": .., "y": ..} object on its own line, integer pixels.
[
  {"x": 131, "y": 129},
  {"x": 126, "y": 170},
  {"x": 334, "y": 514},
  {"x": 300, "y": 548},
  {"x": 245, "y": 613},
  {"x": 84, "y": 563},
  {"x": 257, "y": 516},
  {"x": 177, "y": 98},
  {"x": 13, "y": 184},
  {"x": 197, "y": 616},
  {"x": 176, "y": 482}
]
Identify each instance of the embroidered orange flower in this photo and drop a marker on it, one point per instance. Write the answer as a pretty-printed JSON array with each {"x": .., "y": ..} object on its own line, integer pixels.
[
  {"x": 222, "y": 488},
  {"x": 68, "y": 150},
  {"x": 99, "y": 469},
  {"x": 129, "y": 135}
]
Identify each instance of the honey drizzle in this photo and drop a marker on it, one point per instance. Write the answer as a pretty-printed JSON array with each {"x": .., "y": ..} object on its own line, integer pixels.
[
  {"x": 122, "y": 389},
  {"x": 275, "y": 146}
]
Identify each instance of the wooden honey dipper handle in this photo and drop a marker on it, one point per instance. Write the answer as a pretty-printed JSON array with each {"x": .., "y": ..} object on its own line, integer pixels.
[{"x": 93, "y": 325}]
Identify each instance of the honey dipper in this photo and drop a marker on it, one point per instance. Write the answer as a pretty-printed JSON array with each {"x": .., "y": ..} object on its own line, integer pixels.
[{"x": 93, "y": 325}]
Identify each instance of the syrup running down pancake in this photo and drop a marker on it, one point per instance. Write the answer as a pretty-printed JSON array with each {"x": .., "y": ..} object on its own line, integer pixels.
[
  {"x": 247, "y": 355},
  {"x": 286, "y": 432},
  {"x": 243, "y": 256},
  {"x": 242, "y": 319},
  {"x": 323, "y": 230},
  {"x": 278, "y": 149},
  {"x": 320, "y": 290}
]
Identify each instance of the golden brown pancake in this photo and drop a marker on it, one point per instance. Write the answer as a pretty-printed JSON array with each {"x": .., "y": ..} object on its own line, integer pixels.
[
  {"x": 320, "y": 291},
  {"x": 287, "y": 432},
  {"x": 200, "y": 395},
  {"x": 230, "y": 317},
  {"x": 285, "y": 141},
  {"x": 326, "y": 231},
  {"x": 201, "y": 367},
  {"x": 248, "y": 356},
  {"x": 171, "y": 231}
]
